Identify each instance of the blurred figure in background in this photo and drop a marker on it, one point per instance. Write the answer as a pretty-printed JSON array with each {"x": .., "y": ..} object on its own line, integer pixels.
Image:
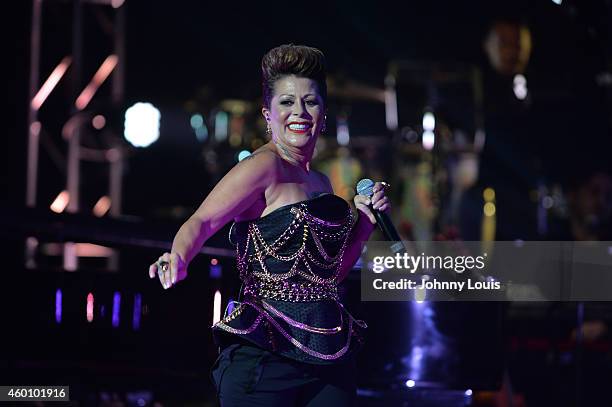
[{"x": 590, "y": 207}]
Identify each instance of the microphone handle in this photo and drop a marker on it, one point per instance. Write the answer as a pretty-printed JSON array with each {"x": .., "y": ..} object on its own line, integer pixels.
[{"x": 386, "y": 226}]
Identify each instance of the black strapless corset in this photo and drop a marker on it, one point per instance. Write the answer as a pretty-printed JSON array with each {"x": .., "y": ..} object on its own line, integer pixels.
[{"x": 289, "y": 262}]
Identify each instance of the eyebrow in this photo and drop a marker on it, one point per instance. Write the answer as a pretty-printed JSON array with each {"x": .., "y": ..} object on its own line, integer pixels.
[{"x": 287, "y": 94}]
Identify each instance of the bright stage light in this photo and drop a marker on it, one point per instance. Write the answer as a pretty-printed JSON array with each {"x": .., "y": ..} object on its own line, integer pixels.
[
  {"x": 558, "y": 2},
  {"x": 102, "y": 206},
  {"x": 90, "y": 307},
  {"x": 142, "y": 124},
  {"x": 410, "y": 383},
  {"x": 201, "y": 133},
  {"x": 116, "y": 308},
  {"x": 390, "y": 103},
  {"x": 215, "y": 271},
  {"x": 520, "y": 87},
  {"x": 217, "y": 307},
  {"x": 419, "y": 295},
  {"x": 58, "y": 306},
  {"x": 98, "y": 122},
  {"x": 137, "y": 312},
  {"x": 221, "y": 126},
  {"x": 243, "y": 154},
  {"x": 198, "y": 125},
  {"x": 429, "y": 139},
  {"x": 343, "y": 136},
  {"x": 197, "y": 120},
  {"x": 60, "y": 202},
  {"x": 489, "y": 209},
  {"x": 429, "y": 121}
]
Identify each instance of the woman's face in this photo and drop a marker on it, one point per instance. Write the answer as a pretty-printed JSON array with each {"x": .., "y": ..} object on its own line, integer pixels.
[{"x": 296, "y": 112}]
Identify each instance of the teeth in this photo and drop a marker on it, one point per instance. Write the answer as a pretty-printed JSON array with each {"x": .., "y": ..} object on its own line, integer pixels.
[{"x": 299, "y": 126}]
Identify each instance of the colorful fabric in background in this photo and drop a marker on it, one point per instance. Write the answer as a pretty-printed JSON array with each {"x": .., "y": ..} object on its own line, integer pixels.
[
  {"x": 417, "y": 210},
  {"x": 343, "y": 171}
]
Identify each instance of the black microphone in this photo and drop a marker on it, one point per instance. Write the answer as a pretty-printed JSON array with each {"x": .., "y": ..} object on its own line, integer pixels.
[{"x": 365, "y": 187}]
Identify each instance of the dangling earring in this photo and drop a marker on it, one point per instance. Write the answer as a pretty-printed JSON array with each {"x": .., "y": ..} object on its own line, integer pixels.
[
  {"x": 324, "y": 127},
  {"x": 269, "y": 130}
]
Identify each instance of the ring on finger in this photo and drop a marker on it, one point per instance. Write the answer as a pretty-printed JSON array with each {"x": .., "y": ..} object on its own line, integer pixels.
[{"x": 163, "y": 265}]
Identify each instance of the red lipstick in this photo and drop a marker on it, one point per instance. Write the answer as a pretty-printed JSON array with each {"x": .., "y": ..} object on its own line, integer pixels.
[{"x": 302, "y": 129}]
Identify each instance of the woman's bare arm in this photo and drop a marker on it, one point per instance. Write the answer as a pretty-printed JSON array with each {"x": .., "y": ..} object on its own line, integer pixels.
[
  {"x": 359, "y": 234},
  {"x": 237, "y": 191},
  {"x": 364, "y": 226}
]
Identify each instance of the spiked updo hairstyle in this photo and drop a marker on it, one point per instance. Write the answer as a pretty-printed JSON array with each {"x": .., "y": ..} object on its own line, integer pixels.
[{"x": 298, "y": 60}]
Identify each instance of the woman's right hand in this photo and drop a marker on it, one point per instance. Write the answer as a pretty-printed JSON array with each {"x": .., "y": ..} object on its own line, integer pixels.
[{"x": 170, "y": 268}]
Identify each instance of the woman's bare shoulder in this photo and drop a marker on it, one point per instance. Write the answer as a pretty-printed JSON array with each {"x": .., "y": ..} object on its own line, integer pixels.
[
  {"x": 245, "y": 183},
  {"x": 258, "y": 162},
  {"x": 262, "y": 155}
]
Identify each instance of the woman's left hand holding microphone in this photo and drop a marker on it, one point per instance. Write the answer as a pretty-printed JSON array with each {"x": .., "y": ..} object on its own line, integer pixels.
[{"x": 378, "y": 201}]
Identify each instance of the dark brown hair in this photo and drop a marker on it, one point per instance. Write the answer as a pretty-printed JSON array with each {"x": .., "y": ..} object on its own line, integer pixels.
[{"x": 298, "y": 60}]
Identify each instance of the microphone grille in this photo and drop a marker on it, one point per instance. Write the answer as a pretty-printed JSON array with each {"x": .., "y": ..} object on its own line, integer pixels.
[{"x": 365, "y": 187}]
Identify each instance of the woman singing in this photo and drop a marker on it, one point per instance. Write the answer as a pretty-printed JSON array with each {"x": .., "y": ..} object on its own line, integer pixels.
[{"x": 290, "y": 340}]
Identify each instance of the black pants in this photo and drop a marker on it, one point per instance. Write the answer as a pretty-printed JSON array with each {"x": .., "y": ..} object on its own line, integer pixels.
[{"x": 246, "y": 375}]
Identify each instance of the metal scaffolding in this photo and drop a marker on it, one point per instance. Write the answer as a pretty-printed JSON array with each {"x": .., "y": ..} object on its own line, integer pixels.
[{"x": 81, "y": 111}]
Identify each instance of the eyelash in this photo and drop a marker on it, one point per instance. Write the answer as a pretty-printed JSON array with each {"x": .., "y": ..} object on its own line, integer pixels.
[{"x": 308, "y": 102}]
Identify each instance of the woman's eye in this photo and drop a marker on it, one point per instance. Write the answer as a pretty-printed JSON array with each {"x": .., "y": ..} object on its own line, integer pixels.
[
  {"x": 286, "y": 102},
  {"x": 312, "y": 102}
]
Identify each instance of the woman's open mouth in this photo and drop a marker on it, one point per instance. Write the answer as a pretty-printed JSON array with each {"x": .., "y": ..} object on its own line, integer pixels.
[{"x": 299, "y": 127}]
